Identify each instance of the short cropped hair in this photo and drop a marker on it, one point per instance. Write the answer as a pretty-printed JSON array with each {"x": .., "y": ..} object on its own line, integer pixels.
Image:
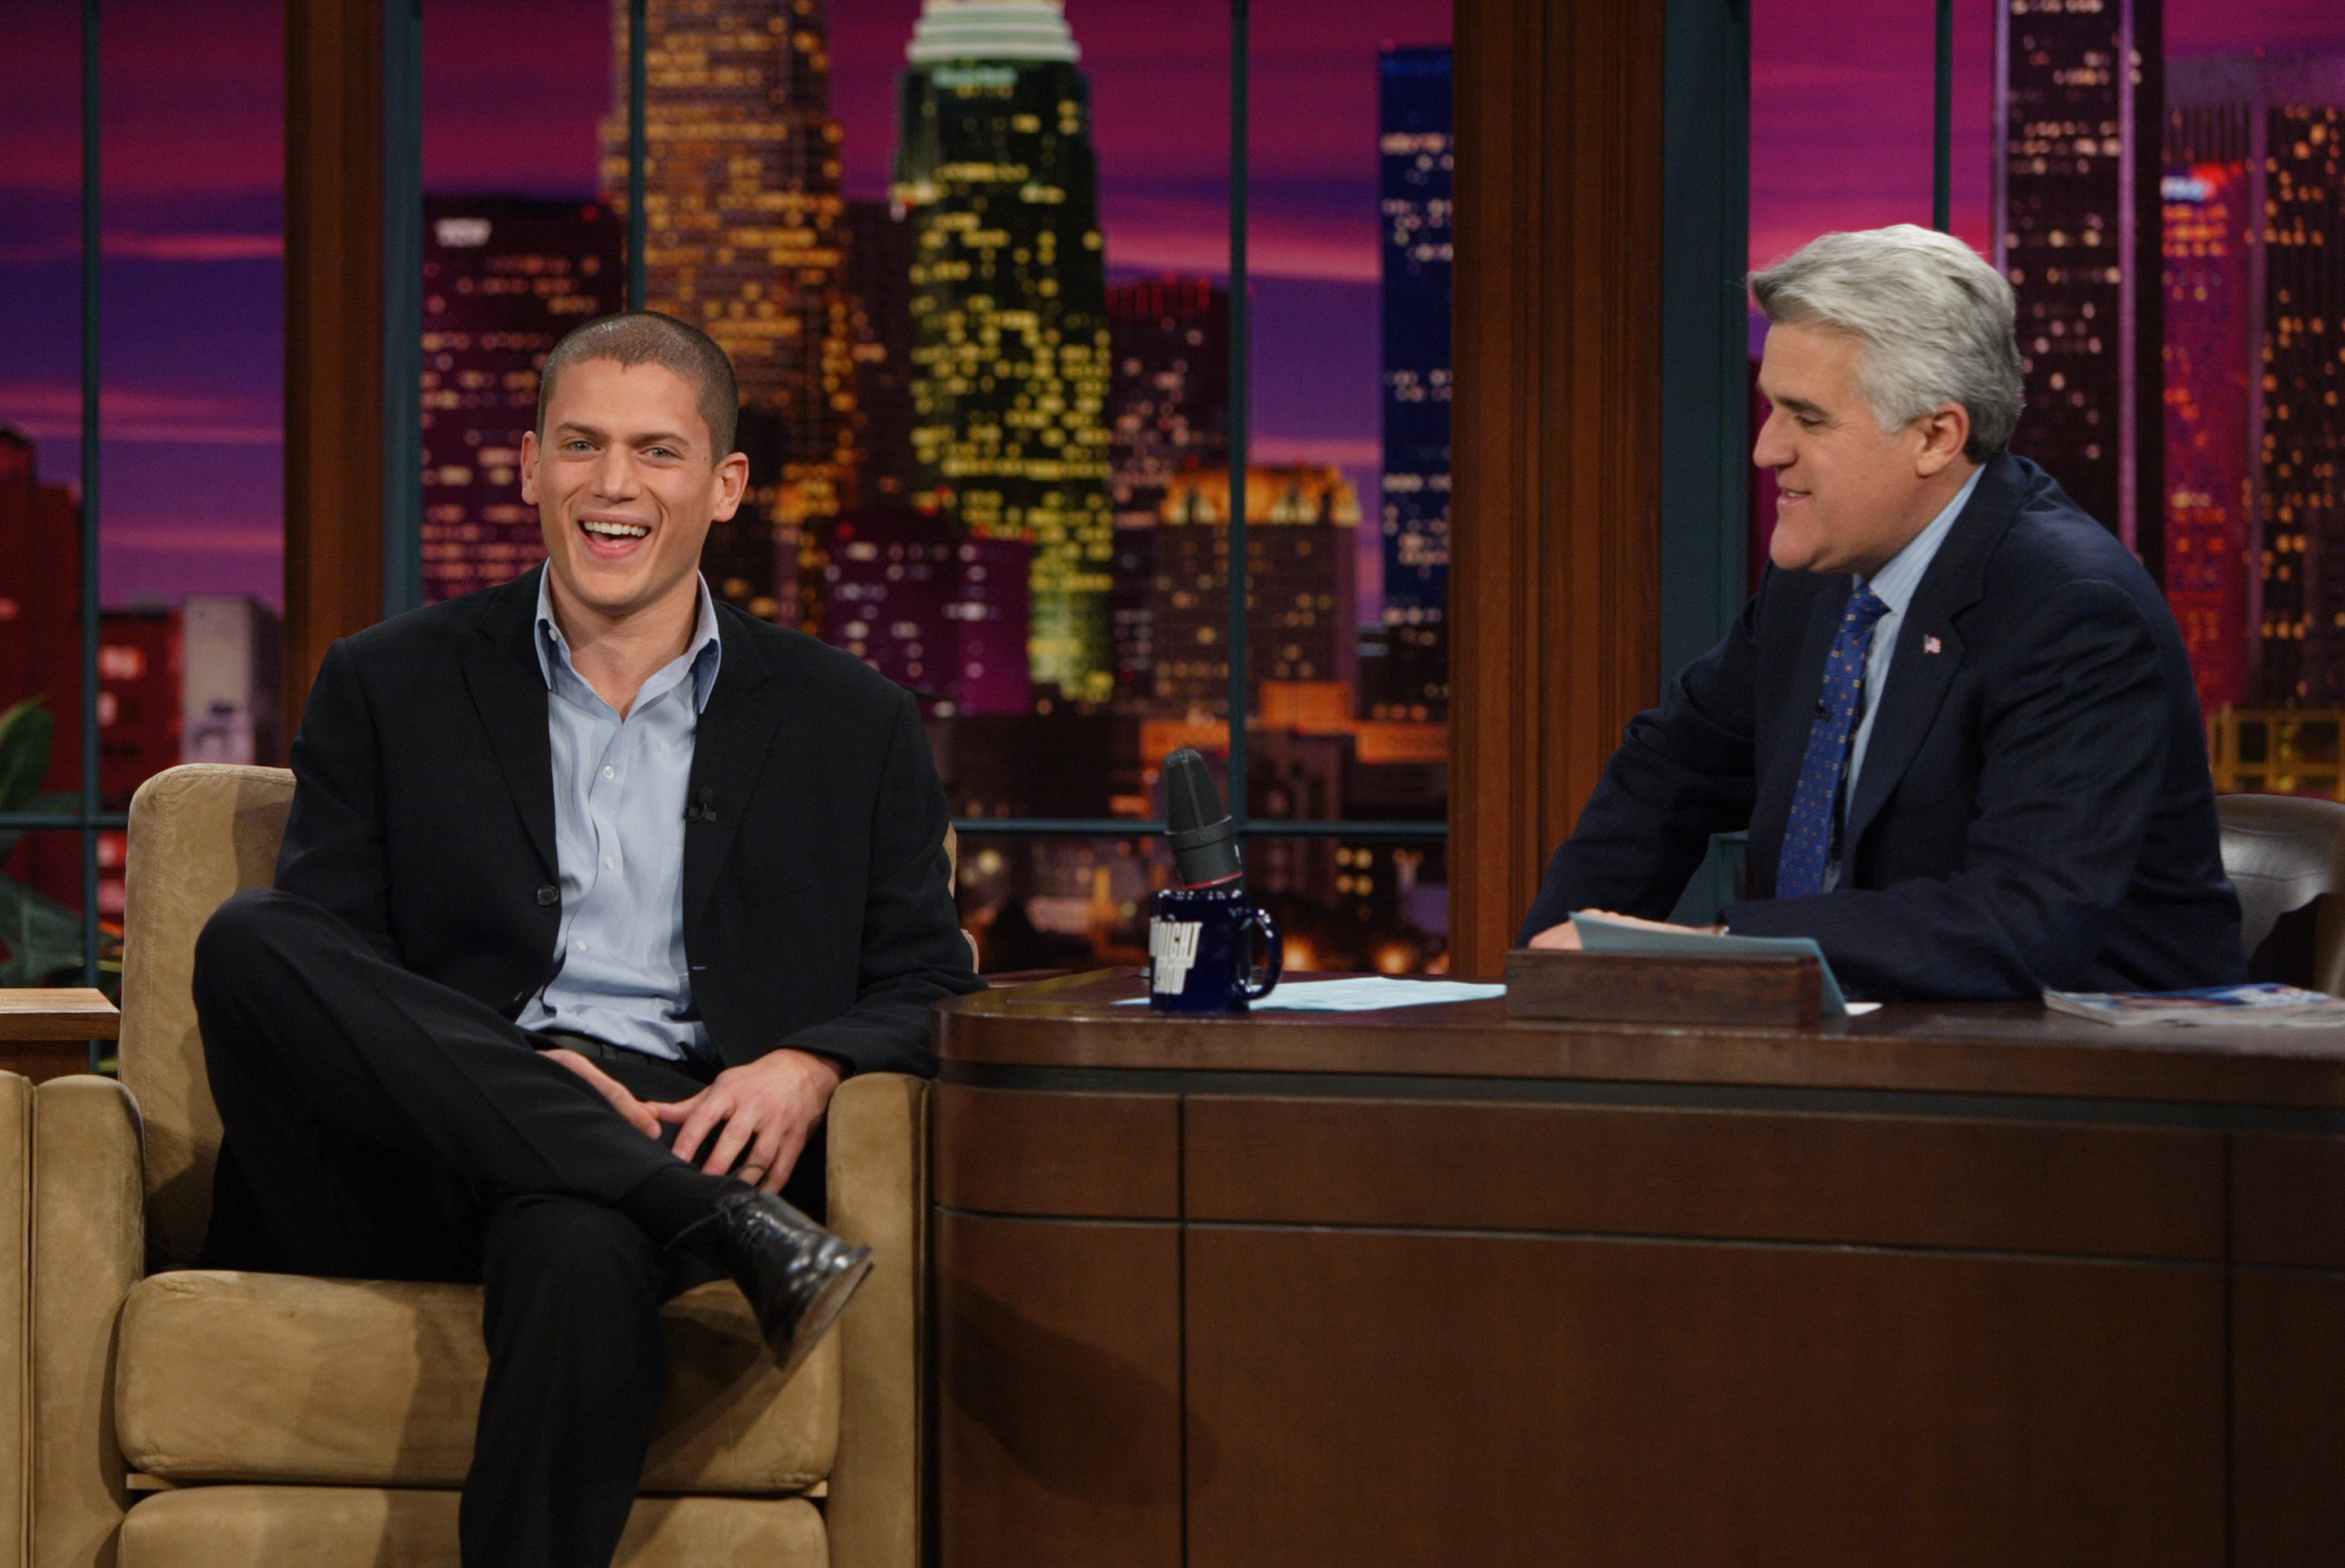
[
  {"x": 1934, "y": 318},
  {"x": 648, "y": 338}
]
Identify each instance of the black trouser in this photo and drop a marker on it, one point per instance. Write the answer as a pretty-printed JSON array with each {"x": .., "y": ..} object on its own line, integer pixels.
[{"x": 381, "y": 1125}]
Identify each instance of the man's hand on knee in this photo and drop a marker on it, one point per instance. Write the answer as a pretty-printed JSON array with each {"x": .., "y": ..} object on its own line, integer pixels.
[
  {"x": 639, "y": 1115},
  {"x": 766, "y": 1109}
]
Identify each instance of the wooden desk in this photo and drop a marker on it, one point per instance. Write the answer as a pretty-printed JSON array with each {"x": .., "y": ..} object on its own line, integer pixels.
[
  {"x": 45, "y": 1032},
  {"x": 1951, "y": 1285}
]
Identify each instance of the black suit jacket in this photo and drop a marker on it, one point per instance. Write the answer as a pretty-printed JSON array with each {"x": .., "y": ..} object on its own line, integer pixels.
[
  {"x": 2034, "y": 807},
  {"x": 818, "y": 905}
]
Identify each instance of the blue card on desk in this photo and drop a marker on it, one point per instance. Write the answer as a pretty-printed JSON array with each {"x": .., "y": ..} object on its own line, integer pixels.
[{"x": 1598, "y": 935}]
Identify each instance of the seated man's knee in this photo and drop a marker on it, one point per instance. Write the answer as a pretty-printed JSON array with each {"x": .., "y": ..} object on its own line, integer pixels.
[{"x": 250, "y": 927}]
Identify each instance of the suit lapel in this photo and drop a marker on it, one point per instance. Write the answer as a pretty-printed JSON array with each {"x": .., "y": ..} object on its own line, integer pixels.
[
  {"x": 508, "y": 689},
  {"x": 735, "y": 732},
  {"x": 1919, "y": 678}
]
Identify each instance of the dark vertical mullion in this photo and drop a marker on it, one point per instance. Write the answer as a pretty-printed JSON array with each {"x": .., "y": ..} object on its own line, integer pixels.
[
  {"x": 1240, "y": 399},
  {"x": 637, "y": 20},
  {"x": 90, "y": 256},
  {"x": 1942, "y": 174},
  {"x": 402, "y": 306}
]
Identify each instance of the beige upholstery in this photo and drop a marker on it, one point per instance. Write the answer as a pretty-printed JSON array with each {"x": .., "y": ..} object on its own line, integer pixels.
[
  {"x": 325, "y": 1422},
  {"x": 15, "y": 1213},
  {"x": 246, "y": 1377},
  {"x": 2283, "y": 852},
  {"x": 298, "y": 1526}
]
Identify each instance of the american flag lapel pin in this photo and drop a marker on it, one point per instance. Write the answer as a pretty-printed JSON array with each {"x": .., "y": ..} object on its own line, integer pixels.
[{"x": 1932, "y": 644}]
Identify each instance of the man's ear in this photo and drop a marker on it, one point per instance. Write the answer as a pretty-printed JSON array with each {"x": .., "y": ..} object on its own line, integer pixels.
[
  {"x": 1945, "y": 431},
  {"x": 732, "y": 483},
  {"x": 529, "y": 467}
]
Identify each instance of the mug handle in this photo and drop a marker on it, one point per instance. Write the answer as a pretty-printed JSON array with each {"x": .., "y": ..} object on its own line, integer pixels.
[{"x": 1270, "y": 957}]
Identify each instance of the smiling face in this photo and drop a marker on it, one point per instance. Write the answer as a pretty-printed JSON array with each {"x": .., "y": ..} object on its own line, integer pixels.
[
  {"x": 1852, "y": 495},
  {"x": 625, "y": 481}
]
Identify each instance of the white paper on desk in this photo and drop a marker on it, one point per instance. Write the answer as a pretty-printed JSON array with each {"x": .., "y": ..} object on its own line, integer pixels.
[
  {"x": 1598, "y": 935},
  {"x": 1368, "y": 995}
]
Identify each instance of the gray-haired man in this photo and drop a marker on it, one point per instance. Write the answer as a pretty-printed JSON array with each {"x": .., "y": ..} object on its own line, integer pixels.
[{"x": 1957, "y": 719}]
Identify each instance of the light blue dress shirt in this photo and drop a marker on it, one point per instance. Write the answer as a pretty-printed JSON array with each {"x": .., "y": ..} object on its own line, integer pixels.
[
  {"x": 619, "y": 789},
  {"x": 1894, "y": 583}
]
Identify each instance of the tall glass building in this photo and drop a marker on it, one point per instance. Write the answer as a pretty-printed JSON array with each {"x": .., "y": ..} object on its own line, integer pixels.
[
  {"x": 747, "y": 239},
  {"x": 2078, "y": 87},
  {"x": 504, "y": 277},
  {"x": 1410, "y": 675},
  {"x": 2256, "y": 263},
  {"x": 1011, "y": 348}
]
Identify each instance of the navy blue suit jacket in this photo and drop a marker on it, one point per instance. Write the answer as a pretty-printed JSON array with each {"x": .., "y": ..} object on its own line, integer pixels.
[{"x": 2034, "y": 808}]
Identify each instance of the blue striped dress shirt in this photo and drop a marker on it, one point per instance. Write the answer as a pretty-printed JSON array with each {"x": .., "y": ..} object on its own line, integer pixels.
[{"x": 618, "y": 820}]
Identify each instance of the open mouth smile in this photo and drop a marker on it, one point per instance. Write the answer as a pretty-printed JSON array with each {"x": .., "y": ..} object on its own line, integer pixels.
[{"x": 612, "y": 538}]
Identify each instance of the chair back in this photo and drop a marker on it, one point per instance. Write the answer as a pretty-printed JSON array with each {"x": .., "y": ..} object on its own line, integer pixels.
[
  {"x": 2282, "y": 853},
  {"x": 199, "y": 833}
]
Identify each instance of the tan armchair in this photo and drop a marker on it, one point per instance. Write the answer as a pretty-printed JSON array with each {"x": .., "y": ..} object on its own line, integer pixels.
[{"x": 194, "y": 1416}]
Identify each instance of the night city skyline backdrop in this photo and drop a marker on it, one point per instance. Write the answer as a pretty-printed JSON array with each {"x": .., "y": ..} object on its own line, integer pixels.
[{"x": 193, "y": 97}]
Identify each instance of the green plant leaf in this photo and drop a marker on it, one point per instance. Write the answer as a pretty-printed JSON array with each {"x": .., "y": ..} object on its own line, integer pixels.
[
  {"x": 42, "y": 934},
  {"x": 25, "y": 733}
]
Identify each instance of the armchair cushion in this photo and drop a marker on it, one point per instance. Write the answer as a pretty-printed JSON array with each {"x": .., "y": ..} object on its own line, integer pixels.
[
  {"x": 269, "y": 1526},
  {"x": 227, "y": 1376}
]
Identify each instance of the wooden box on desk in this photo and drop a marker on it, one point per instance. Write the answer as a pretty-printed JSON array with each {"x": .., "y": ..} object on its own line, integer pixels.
[{"x": 1664, "y": 988}]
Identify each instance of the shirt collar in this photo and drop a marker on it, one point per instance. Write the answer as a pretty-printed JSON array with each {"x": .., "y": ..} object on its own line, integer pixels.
[
  {"x": 706, "y": 649},
  {"x": 1896, "y": 583}
]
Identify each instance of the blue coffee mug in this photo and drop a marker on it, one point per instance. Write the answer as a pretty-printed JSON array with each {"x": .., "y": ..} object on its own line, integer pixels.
[{"x": 1210, "y": 951}]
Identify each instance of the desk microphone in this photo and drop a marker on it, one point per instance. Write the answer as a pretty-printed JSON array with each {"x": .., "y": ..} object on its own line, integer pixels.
[{"x": 1204, "y": 840}]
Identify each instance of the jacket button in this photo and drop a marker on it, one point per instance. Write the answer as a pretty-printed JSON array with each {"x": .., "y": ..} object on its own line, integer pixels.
[{"x": 548, "y": 896}]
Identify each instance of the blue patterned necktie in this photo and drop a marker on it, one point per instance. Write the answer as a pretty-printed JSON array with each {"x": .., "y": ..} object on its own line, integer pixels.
[{"x": 1808, "y": 836}]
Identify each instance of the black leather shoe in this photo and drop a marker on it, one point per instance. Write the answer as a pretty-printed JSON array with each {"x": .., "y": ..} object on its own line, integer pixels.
[{"x": 795, "y": 1274}]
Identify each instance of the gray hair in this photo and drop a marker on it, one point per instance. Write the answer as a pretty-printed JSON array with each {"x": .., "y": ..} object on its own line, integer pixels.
[
  {"x": 635, "y": 338},
  {"x": 1934, "y": 318}
]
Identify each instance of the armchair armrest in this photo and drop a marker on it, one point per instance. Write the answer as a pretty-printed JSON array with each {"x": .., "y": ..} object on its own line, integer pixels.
[
  {"x": 88, "y": 1247},
  {"x": 878, "y": 1178},
  {"x": 16, "y": 1221}
]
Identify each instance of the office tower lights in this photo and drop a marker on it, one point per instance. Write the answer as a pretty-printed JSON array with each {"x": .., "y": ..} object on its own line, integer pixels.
[
  {"x": 747, "y": 239},
  {"x": 1167, "y": 407},
  {"x": 994, "y": 165},
  {"x": 2255, "y": 244},
  {"x": 504, "y": 278},
  {"x": 1409, "y": 676},
  {"x": 2077, "y": 231}
]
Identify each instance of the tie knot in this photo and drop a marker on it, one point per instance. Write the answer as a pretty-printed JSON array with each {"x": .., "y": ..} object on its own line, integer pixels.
[{"x": 1864, "y": 608}]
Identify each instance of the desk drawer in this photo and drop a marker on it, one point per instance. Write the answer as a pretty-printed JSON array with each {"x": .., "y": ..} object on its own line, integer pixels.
[
  {"x": 1910, "y": 1181},
  {"x": 1099, "y": 1157}
]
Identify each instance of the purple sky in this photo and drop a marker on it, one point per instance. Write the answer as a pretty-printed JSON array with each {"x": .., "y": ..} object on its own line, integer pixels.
[{"x": 193, "y": 96}]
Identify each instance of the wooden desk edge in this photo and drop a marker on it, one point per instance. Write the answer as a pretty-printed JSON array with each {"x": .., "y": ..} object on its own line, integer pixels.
[
  {"x": 58, "y": 1012},
  {"x": 1068, "y": 1024}
]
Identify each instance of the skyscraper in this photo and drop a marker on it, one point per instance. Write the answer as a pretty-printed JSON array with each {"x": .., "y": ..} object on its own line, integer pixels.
[
  {"x": 2077, "y": 231},
  {"x": 931, "y": 608},
  {"x": 504, "y": 278},
  {"x": 745, "y": 239},
  {"x": 1302, "y": 544},
  {"x": 879, "y": 280},
  {"x": 994, "y": 164},
  {"x": 2255, "y": 190},
  {"x": 2212, "y": 577},
  {"x": 1168, "y": 408},
  {"x": 1409, "y": 675}
]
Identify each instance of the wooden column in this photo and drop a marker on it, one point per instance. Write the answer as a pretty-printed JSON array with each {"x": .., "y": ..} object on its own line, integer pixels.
[
  {"x": 333, "y": 330},
  {"x": 1554, "y": 589}
]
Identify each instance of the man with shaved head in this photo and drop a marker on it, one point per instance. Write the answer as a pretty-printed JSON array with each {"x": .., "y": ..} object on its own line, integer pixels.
[
  {"x": 1957, "y": 720},
  {"x": 593, "y": 890}
]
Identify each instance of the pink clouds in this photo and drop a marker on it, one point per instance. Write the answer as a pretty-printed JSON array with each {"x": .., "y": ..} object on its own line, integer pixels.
[{"x": 51, "y": 412}]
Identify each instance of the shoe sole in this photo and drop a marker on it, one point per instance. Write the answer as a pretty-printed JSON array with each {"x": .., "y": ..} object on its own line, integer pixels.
[{"x": 822, "y": 1311}]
